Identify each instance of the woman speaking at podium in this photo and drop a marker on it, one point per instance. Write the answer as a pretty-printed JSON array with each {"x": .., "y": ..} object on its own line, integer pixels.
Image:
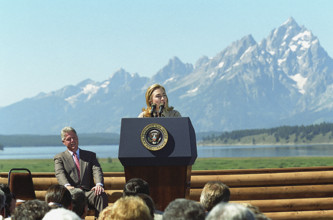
[{"x": 157, "y": 103}]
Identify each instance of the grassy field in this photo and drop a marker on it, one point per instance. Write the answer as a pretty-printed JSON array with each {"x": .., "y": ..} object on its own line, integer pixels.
[{"x": 114, "y": 165}]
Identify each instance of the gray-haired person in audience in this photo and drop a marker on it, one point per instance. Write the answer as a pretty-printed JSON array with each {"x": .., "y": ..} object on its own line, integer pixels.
[
  {"x": 79, "y": 202},
  {"x": 78, "y": 168},
  {"x": 61, "y": 214},
  {"x": 256, "y": 211},
  {"x": 213, "y": 193},
  {"x": 2, "y": 204},
  {"x": 31, "y": 210},
  {"x": 230, "y": 211},
  {"x": 184, "y": 209}
]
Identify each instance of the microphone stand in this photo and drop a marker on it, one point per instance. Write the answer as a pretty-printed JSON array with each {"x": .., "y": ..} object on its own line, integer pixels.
[
  {"x": 152, "y": 111},
  {"x": 161, "y": 110}
]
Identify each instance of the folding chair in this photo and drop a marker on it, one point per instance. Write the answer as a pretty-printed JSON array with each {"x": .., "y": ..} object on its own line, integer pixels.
[{"x": 20, "y": 183}]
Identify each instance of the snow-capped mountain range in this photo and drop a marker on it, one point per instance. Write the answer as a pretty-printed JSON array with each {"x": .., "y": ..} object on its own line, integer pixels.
[{"x": 286, "y": 79}]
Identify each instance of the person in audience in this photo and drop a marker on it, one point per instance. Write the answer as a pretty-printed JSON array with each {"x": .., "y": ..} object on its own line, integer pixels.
[
  {"x": 58, "y": 196},
  {"x": 184, "y": 209},
  {"x": 256, "y": 211},
  {"x": 149, "y": 202},
  {"x": 230, "y": 211},
  {"x": 213, "y": 193},
  {"x": 125, "y": 208},
  {"x": 135, "y": 186},
  {"x": 10, "y": 200},
  {"x": 106, "y": 213},
  {"x": 61, "y": 214},
  {"x": 77, "y": 168},
  {"x": 79, "y": 202},
  {"x": 31, "y": 210},
  {"x": 2, "y": 204},
  {"x": 157, "y": 103}
]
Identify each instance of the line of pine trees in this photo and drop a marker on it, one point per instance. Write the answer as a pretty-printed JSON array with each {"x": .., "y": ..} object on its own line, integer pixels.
[{"x": 282, "y": 132}]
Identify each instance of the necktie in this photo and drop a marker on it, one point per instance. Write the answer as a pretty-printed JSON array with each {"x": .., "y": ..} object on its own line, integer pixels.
[{"x": 77, "y": 163}]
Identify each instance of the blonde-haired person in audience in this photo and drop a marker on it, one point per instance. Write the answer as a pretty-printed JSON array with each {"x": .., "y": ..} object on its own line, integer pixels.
[
  {"x": 213, "y": 193},
  {"x": 156, "y": 97},
  {"x": 137, "y": 187},
  {"x": 127, "y": 208}
]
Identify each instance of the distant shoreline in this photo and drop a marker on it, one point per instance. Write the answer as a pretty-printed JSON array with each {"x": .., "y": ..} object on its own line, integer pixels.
[
  {"x": 198, "y": 144},
  {"x": 261, "y": 144}
]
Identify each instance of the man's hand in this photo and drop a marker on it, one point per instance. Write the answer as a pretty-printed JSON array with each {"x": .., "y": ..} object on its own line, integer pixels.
[
  {"x": 98, "y": 189},
  {"x": 69, "y": 187}
]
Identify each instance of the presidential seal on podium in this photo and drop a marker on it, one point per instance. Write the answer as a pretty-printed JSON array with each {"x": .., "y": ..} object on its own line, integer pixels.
[{"x": 154, "y": 137}]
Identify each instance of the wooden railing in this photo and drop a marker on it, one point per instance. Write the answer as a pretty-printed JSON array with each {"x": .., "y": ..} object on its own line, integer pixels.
[{"x": 286, "y": 193}]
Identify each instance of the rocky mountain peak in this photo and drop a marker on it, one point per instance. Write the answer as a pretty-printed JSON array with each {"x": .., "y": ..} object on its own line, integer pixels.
[
  {"x": 170, "y": 72},
  {"x": 286, "y": 79}
]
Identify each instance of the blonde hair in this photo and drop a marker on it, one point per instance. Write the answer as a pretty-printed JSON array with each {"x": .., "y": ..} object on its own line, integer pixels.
[
  {"x": 127, "y": 208},
  {"x": 149, "y": 94},
  {"x": 213, "y": 193}
]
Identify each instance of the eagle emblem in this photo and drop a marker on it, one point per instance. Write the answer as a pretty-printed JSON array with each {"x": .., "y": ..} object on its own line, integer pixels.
[{"x": 154, "y": 137}]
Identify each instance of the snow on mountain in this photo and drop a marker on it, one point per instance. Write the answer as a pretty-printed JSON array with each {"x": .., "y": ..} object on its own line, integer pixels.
[
  {"x": 285, "y": 79},
  {"x": 89, "y": 90},
  {"x": 300, "y": 82}
]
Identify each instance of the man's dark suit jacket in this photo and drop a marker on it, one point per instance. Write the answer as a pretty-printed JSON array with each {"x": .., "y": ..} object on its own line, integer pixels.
[{"x": 90, "y": 169}]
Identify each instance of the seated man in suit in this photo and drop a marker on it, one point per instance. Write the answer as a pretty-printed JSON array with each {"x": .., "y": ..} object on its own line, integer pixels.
[{"x": 77, "y": 168}]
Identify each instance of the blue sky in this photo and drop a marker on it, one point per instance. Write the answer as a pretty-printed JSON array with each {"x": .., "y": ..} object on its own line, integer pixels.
[{"x": 48, "y": 44}]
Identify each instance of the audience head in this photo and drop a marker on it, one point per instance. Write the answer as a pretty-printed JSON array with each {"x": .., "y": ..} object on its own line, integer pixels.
[
  {"x": 106, "y": 213},
  {"x": 184, "y": 209},
  {"x": 79, "y": 202},
  {"x": 149, "y": 202},
  {"x": 61, "y": 214},
  {"x": 10, "y": 199},
  {"x": 230, "y": 211},
  {"x": 31, "y": 210},
  {"x": 125, "y": 208},
  {"x": 2, "y": 203},
  {"x": 135, "y": 186},
  {"x": 58, "y": 196},
  {"x": 213, "y": 193},
  {"x": 258, "y": 214}
]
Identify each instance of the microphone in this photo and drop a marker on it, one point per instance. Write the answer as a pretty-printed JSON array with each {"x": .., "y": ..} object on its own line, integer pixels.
[
  {"x": 161, "y": 110},
  {"x": 152, "y": 111}
]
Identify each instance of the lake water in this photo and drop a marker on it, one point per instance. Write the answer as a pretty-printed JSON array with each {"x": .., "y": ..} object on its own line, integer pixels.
[{"x": 105, "y": 151}]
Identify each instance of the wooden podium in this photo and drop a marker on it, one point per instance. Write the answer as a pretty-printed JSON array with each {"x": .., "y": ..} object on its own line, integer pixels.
[{"x": 167, "y": 170}]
